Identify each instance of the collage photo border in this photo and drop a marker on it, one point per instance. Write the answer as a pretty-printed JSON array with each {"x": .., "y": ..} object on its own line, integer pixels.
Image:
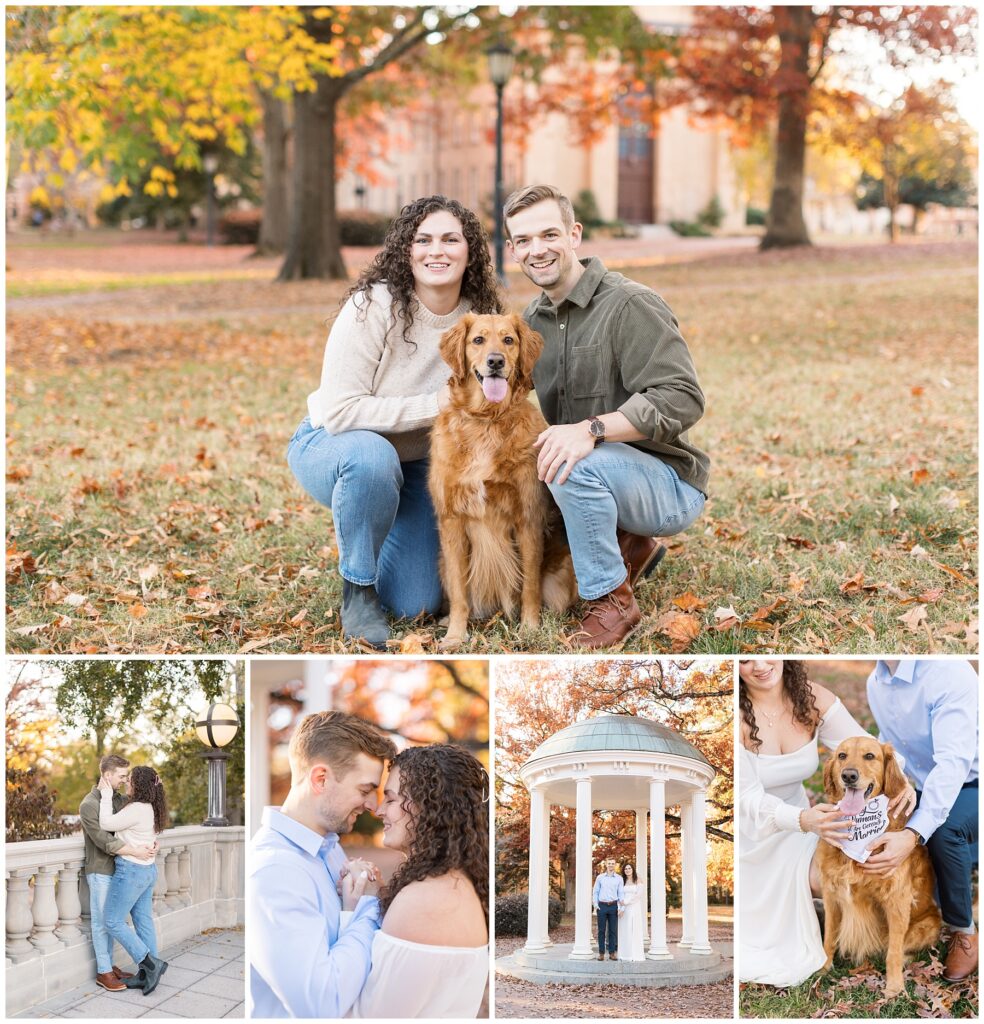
[{"x": 496, "y": 664}]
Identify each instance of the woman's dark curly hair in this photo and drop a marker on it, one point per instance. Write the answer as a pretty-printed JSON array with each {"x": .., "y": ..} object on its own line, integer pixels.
[
  {"x": 392, "y": 265},
  {"x": 796, "y": 687},
  {"x": 149, "y": 789},
  {"x": 445, "y": 792}
]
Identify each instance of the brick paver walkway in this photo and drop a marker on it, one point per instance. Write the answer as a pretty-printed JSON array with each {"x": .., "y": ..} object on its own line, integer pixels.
[{"x": 206, "y": 977}]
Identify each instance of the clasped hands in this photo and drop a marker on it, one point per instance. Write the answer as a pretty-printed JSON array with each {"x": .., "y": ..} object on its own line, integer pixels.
[{"x": 358, "y": 878}]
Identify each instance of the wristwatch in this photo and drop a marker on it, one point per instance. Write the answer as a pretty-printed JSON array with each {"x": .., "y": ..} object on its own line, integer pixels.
[
  {"x": 919, "y": 839},
  {"x": 597, "y": 429}
]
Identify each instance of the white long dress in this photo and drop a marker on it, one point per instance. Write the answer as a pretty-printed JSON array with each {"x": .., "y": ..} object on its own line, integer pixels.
[
  {"x": 630, "y": 944},
  {"x": 409, "y": 979},
  {"x": 780, "y": 941}
]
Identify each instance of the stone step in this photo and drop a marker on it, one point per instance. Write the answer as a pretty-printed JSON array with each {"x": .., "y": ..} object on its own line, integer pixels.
[{"x": 708, "y": 976}]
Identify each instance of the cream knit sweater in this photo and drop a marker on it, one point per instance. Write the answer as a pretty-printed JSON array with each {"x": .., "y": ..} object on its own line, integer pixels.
[{"x": 371, "y": 381}]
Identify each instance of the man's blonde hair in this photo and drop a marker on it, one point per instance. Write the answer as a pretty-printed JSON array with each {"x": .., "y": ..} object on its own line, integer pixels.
[
  {"x": 336, "y": 739},
  {"x": 111, "y": 761},
  {"x": 530, "y": 195}
]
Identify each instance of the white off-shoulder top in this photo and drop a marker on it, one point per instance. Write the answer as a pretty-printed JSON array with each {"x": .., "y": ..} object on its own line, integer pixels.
[{"x": 409, "y": 979}]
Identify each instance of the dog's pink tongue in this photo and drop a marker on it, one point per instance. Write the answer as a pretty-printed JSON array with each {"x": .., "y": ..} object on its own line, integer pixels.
[
  {"x": 852, "y": 803},
  {"x": 494, "y": 388}
]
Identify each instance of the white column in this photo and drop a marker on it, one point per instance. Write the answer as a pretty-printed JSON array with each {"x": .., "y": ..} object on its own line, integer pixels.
[
  {"x": 544, "y": 909},
  {"x": 701, "y": 944},
  {"x": 657, "y": 849},
  {"x": 583, "y": 871},
  {"x": 641, "y": 867},
  {"x": 45, "y": 909},
  {"x": 20, "y": 920},
  {"x": 534, "y": 940},
  {"x": 687, "y": 871},
  {"x": 69, "y": 904}
]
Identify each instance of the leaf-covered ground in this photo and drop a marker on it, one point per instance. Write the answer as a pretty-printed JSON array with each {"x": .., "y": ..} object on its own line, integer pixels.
[
  {"x": 150, "y": 507},
  {"x": 515, "y": 998},
  {"x": 849, "y": 991}
]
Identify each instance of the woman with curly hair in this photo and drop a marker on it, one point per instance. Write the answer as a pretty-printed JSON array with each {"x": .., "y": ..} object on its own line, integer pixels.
[
  {"x": 131, "y": 890},
  {"x": 363, "y": 448},
  {"x": 784, "y": 718},
  {"x": 430, "y": 958}
]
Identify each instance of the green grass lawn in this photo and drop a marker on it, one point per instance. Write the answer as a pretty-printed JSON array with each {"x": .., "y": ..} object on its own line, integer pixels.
[
  {"x": 849, "y": 991},
  {"x": 150, "y": 507}
]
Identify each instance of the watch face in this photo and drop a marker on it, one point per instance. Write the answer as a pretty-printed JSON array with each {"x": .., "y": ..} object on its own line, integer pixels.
[{"x": 597, "y": 428}]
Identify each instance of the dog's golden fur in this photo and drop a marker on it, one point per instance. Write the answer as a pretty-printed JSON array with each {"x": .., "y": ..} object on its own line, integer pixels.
[
  {"x": 497, "y": 522},
  {"x": 864, "y": 913}
]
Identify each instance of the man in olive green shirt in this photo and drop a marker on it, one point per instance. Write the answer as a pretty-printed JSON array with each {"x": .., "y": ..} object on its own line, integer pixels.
[
  {"x": 101, "y": 848},
  {"x": 617, "y": 384}
]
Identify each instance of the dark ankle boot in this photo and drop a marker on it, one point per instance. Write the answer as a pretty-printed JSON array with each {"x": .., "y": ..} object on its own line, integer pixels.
[
  {"x": 153, "y": 969},
  {"x": 363, "y": 617}
]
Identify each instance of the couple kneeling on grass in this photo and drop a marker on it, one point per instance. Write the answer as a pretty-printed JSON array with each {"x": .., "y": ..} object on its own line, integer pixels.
[
  {"x": 120, "y": 869},
  {"x": 614, "y": 369}
]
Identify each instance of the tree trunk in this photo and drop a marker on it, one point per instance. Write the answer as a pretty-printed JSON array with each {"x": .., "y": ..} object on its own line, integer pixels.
[
  {"x": 273, "y": 229},
  {"x": 784, "y": 225},
  {"x": 569, "y": 895}
]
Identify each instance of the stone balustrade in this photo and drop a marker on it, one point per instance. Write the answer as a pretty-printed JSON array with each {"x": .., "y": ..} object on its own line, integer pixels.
[{"x": 200, "y": 885}]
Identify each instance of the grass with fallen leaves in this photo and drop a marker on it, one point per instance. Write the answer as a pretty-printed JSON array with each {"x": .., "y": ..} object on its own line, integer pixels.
[
  {"x": 150, "y": 507},
  {"x": 849, "y": 992}
]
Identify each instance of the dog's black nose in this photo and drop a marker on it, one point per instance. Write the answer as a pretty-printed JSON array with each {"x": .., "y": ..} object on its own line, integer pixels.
[
  {"x": 849, "y": 776},
  {"x": 496, "y": 362}
]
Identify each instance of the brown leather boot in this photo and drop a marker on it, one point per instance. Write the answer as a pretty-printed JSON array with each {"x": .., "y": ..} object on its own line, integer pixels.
[
  {"x": 640, "y": 554},
  {"x": 601, "y": 956},
  {"x": 121, "y": 974},
  {"x": 110, "y": 982},
  {"x": 609, "y": 619},
  {"x": 613, "y": 956},
  {"x": 961, "y": 960}
]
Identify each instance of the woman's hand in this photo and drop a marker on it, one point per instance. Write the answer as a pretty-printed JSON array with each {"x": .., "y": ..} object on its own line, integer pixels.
[
  {"x": 904, "y": 803},
  {"x": 828, "y": 822},
  {"x": 104, "y": 784},
  {"x": 359, "y": 878}
]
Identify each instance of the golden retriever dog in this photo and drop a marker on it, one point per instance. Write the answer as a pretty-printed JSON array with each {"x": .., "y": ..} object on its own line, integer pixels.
[
  {"x": 866, "y": 914},
  {"x": 501, "y": 542}
]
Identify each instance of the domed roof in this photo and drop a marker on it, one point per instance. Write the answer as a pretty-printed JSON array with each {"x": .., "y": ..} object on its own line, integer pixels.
[{"x": 617, "y": 732}]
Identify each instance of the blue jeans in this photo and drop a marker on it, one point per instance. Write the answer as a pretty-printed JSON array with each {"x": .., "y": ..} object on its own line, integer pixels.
[
  {"x": 131, "y": 891},
  {"x": 617, "y": 485},
  {"x": 384, "y": 519},
  {"x": 951, "y": 849},
  {"x": 101, "y": 941},
  {"x": 608, "y": 919}
]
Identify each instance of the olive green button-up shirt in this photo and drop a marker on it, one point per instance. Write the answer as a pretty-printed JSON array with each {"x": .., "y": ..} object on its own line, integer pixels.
[
  {"x": 101, "y": 846},
  {"x": 614, "y": 345}
]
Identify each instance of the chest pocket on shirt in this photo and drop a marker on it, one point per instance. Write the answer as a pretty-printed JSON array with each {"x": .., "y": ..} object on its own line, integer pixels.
[{"x": 589, "y": 371}]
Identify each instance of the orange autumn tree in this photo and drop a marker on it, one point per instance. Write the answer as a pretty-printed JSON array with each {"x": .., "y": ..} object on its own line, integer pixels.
[
  {"x": 537, "y": 698},
  {"x": 766, "y": 66}
]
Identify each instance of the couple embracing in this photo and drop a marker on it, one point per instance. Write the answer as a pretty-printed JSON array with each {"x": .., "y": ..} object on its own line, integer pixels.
[
  {"x": 327, "y": 938},
  {"x": 615, "y": 382},
  {"x": 120, "y": 835}
]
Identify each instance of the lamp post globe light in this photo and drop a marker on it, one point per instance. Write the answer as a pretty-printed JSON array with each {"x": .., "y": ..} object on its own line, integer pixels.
[
  {"x": 216, "y": 727},
  {"x": 501, "y": 63}
]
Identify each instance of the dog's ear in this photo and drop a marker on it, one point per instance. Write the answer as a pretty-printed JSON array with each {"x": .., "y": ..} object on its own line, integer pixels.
[
  {"x": 828, "y": 776},
  {"x": 893, "y": 781},
  {"x": 530, "y": 348},
  {"x": 453, "y": 347}
]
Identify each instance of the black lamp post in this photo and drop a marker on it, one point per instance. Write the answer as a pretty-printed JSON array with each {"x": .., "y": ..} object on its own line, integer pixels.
[
  {"x": 501, "y": 61},
  {"x": 211, "y": 165},
  {"x": 216, "y": 727}
]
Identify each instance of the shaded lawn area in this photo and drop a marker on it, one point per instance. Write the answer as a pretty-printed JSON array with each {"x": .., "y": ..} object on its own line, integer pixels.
[
  {"x": 150, "y": 507},
  {"x": 850, "y": 991}
]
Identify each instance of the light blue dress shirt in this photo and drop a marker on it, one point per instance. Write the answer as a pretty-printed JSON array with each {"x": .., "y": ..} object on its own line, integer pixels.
[
  {"x": 928, "y": 711},
  {"x": 301, "y": 964},
  {"x": 607, "y": 889}
]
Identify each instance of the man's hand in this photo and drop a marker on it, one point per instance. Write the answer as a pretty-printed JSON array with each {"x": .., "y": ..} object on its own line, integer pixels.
[
  {"x": 141, "y": 851},
  {"x": 894, "y": 847},
  {"x": 359, "y": 878},
  {"x": 562, "y": 443}
]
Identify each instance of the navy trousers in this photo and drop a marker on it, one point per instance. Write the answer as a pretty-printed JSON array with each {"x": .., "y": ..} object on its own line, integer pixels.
[
  {"x": 608, "y": 919},
  {"x": 952, "y": 849}
]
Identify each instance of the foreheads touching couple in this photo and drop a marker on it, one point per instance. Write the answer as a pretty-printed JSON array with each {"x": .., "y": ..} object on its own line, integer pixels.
[
  {"x": 897, "y": 811},
  {"x": 120, "y": 836},
  {"x": 327, "y": 938},
  {"x": 615, "y": 383}
]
